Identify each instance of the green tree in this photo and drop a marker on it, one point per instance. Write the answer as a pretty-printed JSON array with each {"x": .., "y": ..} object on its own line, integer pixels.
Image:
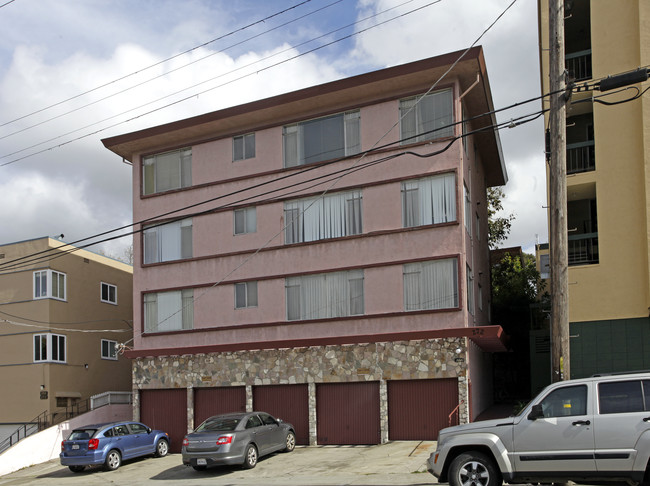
[{"x": 498, "y": 227}]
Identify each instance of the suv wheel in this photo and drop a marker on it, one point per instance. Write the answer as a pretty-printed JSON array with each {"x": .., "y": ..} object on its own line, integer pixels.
[{"x": 474, "y": 469}]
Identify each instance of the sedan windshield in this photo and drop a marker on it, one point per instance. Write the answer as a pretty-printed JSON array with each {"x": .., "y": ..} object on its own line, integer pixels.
[{"x": 218, "y": 423}]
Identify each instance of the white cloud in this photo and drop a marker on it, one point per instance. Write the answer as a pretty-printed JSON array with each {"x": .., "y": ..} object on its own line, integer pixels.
[{"x": 80, "y": 188}]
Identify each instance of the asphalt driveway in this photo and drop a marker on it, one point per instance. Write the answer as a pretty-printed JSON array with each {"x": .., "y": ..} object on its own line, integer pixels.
[{"x": 396, "y": 463}]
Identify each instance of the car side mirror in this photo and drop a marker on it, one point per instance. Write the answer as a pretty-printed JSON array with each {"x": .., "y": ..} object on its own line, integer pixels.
[
  {"x": 148, "y": 430},
  {"x": 536, "y": 412}
]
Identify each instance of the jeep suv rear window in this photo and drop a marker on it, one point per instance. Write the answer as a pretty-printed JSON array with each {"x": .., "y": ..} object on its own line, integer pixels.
[{"x": 621, "y": 397}]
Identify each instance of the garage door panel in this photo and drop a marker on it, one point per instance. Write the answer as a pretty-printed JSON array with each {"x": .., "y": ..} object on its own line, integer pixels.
[
  {"x": 216, "y": 401},
  {"x": 348, "y": 413},
  {"x": 166, "y": 410},
  {"x": 288, "y": 402},
  {"x": 418, "y": 409}
]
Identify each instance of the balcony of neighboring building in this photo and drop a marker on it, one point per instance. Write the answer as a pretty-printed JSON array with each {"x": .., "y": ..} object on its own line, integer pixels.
[
  {"x": 582, "y": 224},
  {"x": 577, "y": 37},
  {"x": 580, "y": 144}
]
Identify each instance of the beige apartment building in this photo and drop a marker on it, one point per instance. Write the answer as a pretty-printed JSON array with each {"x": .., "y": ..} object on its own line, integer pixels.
[
  {"x": 63, "y": 313},
  {"x": 608, "y": 183}
]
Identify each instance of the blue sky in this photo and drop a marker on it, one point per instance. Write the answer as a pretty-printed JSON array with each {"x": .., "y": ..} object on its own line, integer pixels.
[{"x": 56, "y": 50}]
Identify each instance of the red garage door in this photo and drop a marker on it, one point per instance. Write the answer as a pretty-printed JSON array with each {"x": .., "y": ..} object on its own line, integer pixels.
[
  {"x": 418, "y": 409},
  {"x": 288, "y": 402},
  {"x": 166, "y": 410},
  {"x": 215, "y": 401},
  {"x": 348, "y": 413}
]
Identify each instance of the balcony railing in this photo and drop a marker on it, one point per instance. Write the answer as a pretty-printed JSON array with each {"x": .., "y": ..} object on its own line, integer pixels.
[
  {"x": 583, "y": 249},
  {"x": 580, "y": 157},
  {"x": 579, "y": 65}
]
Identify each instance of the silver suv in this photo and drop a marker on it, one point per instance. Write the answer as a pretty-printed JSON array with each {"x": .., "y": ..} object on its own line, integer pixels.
[{"x": 589, "y": 430}]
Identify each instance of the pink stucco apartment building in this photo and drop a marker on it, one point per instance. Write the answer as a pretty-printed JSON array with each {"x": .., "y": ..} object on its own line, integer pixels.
[{"x": 321, "y": 255}]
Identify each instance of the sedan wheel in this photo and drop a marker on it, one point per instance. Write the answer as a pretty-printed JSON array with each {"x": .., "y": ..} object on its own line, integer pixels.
[
  {"x": 250, "y": 459},
  {"x": 162, "y": 448},
  {"x": 113, "y": 460},
  {"x": 290, "y": 443}
]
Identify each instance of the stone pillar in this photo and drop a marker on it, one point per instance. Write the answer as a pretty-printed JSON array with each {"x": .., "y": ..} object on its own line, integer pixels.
[
  {"x": 312, "y": 414},
  {"x": 136, "y": 404},
  {"x": 249, "y": 398},
  {"x": 383, "y": 410},
  {"x": 190, "y": 409}
]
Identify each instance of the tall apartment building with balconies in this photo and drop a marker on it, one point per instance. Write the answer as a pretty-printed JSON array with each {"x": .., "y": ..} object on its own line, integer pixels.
[
  {"x": 608, "y": 185},
  {"x": 321, "y": 255}
]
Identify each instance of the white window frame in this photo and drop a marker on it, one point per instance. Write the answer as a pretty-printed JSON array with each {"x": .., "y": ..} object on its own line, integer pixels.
[
  {"x": 429, "y": 200},
  {"x": 422, "y": 290},
  {"x": 168, "y": 311},
  {"x": 468, "y": 209},
  {"x": 112, "y": 353},
  {"x": 470, "y": 290},
  {"x": 245, "y": 221},
  {"x": 52, "y": 290},
  {"x": 108, "y": 287},
  {"x": 50, "y": 353},
  {"x": 331, "y": 216},
  {"x": 243, "y": 147},
  {"x": 168, "y": 242},
  {"x": 178, "y": 175},
  {"x": 247, "y": 293},
  {"x": 420, "y": 120},
  {"x": 294, "y": 144},
  {"x": 325, "y": 295}
]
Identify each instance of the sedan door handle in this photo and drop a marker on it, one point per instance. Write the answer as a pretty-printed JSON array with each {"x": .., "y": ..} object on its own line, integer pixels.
[
  {"x": 646, "y": 419},
  {"x": 581, "y": 422}
]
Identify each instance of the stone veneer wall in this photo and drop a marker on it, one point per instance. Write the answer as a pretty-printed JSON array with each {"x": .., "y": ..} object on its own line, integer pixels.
[{"x": 401, "y": 360}]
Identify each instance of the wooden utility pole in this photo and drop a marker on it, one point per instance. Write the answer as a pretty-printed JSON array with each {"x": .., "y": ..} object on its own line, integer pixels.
[{"x": 558, "y": 196}]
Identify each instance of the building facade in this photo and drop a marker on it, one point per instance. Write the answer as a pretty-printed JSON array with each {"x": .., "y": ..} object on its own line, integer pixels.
[
  {"x": 608, "y": 188},
  {"x": 63, "y": 313},
  {"x": 321, "y": 255}
]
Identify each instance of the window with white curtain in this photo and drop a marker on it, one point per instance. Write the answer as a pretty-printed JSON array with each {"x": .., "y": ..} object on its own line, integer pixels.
[
  {"x": 468, "y": 210},
  {"x": 430, "y": 200},
  {"x": 167, "y": 242},
  {"x": 245, "y": 295},
  {"x": 331, "y": 216},
  {"x": 470, "y": 290},
  {"x": 167, "y": 171},
  {"x": 245, "y": 220},
  {"x": 336, "y": 294},
  {"x": 325, "y": 138},
  {"x": 427, "y": 117},
  {"x": 169, "y": 311},
  {"x": 49, "y": 284},
  {"x": 431, "y": 285}
]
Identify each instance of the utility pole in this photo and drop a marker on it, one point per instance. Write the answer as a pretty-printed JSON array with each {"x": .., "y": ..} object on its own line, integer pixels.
[{"x": 558, "y": 197}]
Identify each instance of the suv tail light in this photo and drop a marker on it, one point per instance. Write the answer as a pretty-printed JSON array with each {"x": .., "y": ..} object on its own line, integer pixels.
[
  {"x": 224, "y": 439},
  {"x": 62, "y": 445},
  {"x": 93, "y": 444}
]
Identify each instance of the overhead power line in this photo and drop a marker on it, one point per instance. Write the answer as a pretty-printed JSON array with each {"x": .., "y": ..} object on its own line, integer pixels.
[
  {"x": 197, "y": 94},
  {"x": 240, "y": 29}
]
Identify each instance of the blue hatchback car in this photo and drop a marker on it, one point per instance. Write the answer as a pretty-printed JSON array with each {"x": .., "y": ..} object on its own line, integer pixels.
[{"x": 111, "y": 443}]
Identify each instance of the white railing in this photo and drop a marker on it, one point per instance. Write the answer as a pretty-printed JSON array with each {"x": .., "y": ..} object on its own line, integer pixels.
[{"x": 110, "y": 398}]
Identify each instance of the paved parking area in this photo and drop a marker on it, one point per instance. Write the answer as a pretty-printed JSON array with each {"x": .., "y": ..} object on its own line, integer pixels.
[{"x": 401, "y": 463}]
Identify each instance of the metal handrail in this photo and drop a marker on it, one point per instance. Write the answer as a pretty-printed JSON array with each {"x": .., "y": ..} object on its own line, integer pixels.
[{"x": 45, "y": 419}]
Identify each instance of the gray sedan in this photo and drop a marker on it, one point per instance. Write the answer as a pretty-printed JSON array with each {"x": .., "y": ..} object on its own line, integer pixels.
[{"x": 236, "y": 438}]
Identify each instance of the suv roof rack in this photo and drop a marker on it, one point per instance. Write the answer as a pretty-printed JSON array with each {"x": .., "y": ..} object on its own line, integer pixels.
[{"x": 614, "y": 373}]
